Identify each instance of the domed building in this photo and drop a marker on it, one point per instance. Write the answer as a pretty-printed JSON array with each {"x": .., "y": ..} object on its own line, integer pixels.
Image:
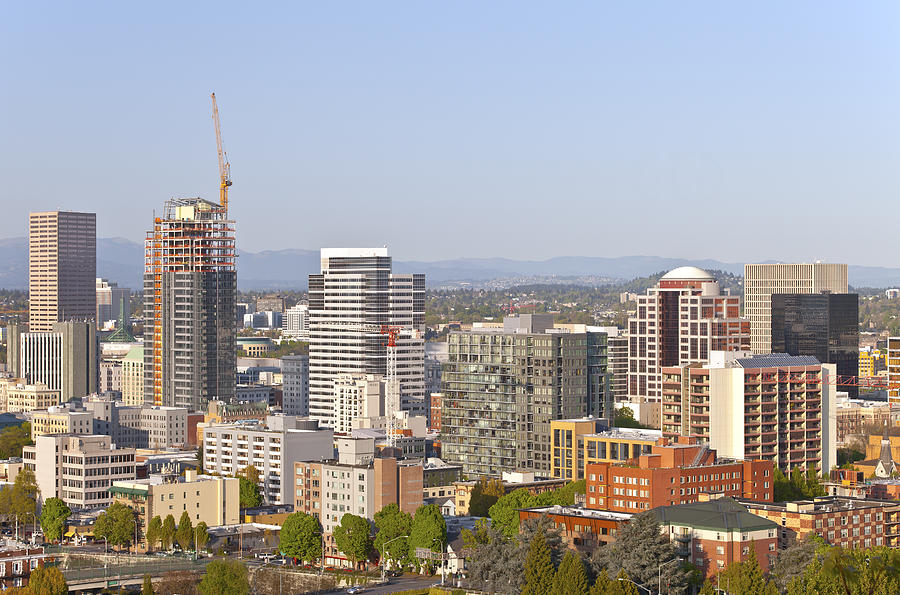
[{"x": 679, "y": 322}]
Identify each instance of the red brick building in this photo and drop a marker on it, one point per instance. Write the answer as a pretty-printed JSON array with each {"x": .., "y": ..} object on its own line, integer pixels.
[
  {"x": 17, "y": 562},
  {"x": 435, "y": 402},
  {"x": 580, "y": 528},
  {"x": 713, "y": 534},
  {"x": 674, "y": 473},
  {"x": 847, "y": 522}
]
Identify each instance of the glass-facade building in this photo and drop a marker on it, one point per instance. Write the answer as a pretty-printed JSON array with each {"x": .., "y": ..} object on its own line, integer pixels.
[
  {"x": 824, "y": 325},
  {"x": 502, "y": 389}
]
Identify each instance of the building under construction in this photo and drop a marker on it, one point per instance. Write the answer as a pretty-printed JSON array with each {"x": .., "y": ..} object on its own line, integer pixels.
[{"x": 189, "y": 305}]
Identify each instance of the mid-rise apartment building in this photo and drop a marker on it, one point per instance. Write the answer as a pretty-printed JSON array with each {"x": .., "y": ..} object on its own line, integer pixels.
[
  {"x": 713, "y": 534},
  {"x": 871, "y": 362},
  {"x": 357, "y": 396},
  {"x": 847, "y": 522},
  {"x": 207, "y": 499},
  {"x": 271, "y": 447},
  {"x": 295, "y": 387},
  {"x": 17, "y": 396},
  {"x": 824, "y": 325},
  {"x": 680, "y": 321},
  {"x": 295, "y": 322},
  {"x": 357, "y": 287},
  {"x": 775, "y": 407},
  {"x": 672, "y": 474},
  {"x": 503, "y": 386},
  {"x": 763, "y": 280},
  {"x": 78, "y": 469},
  {"x": 62, "y": 268},
  {"x": 893, "y": 369},
  {"x": 65, "y": 358}
]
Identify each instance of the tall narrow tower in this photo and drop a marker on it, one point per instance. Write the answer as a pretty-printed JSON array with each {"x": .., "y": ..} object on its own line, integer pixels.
[
  {"x": 62, "y": 268},
  {"x": 189, "y": 305}
]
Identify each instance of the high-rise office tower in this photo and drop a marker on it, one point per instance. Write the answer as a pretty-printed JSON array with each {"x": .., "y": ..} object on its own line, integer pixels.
[
  {"x": 824, "y": 325},
  {"x": 355, "y": 288},
  {"x": 762, "y": 280},
  {"x": 189, "y": 304},
  {"x": 503, "y": 386},
  {"x": 113, "y": 303},
  {"x": 680, "y": 321},
  {"x": 62, "y": 268},
  {"x": 65, "y": 358}
]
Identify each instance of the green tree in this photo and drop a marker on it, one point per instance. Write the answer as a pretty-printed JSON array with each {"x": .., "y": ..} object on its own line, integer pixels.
[
  {"x": 352, "y": 537},
  {"x": 116, "y": 524},
  {"x": 429, "y": 530},
  {"x": 539, "y": 571},
  {"x": 603, "y": 585},
  {"x": 225, "y": 577},
  {"x": 54, "y": 513},
  {"x": 147, "y": 588},
  {"x": 201, "y": 535},
  {"x": 301, "y": 537},
  {"x": 484, "y": 494},
  {"x": 249, "y": 493},
  {"x": 571, "y": 578},
  {"x": 13, "y": 438},
  {"x": 154, "y": 532},
  {"x": 23, "y": 496},
  {"x": 47, "y": 580},
  {"x": 392, "y": 523},
  {"x": 167, "y": 535},
  {"x": 747, "y": 576},
  {"x": 624, "y": 584},
  {"x": 184, "y": 534},
  {"x": 793, "y": 561},
  {"x": 494, "y": 562},
  {"x": 504, "y": 513},
  {"x": 250, "y": 473},
  {"x": 624, "y": 418},
  {"x": 641, "y": 550},
  {"x": 799, "y": 486}
]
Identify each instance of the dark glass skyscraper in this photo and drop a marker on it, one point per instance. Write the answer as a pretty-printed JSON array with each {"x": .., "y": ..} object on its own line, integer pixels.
[{"x": 824, "y": 325}]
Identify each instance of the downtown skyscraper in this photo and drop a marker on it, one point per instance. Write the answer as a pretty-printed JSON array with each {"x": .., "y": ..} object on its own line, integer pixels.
[
  {"x": 62, "y": 268},
  {"x": 189, "y": 305},
  {"x": 354, "y": 295}
]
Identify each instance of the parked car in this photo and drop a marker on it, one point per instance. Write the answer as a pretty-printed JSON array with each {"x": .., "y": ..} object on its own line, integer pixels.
[{"x": 356, "y": 589}]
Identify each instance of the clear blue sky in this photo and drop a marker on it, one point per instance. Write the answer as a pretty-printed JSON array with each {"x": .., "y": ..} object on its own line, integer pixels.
[{"x": 768, "y": 130}]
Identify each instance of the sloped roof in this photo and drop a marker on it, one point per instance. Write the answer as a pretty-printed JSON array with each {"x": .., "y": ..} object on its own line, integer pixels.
[{"x": 723, "y": 514}]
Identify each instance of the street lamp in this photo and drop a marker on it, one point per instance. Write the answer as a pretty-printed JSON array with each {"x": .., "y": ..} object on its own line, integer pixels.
[
  {"x": 649, "y": 592},
  {"x": 659, "y": 575},
  {"x": 384, "y": 545},
  {"x": 443, "y": 551}
]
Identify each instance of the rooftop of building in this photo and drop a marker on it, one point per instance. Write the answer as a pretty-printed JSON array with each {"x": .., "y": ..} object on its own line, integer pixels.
[
  {"x": 688, "y": 273},
  {"x": 353, "y": 252},
  {"x": 578, "y": 511},
  {"x": 157, "y": 479},
  {"x": 777, "y": 360},
  {"x": 628, "y": 434},
  {"x": 723, "y": 514},
  {"x": 822, "y": 505}
]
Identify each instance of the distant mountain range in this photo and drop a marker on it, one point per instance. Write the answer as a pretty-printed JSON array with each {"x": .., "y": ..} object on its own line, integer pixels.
[{"x": 122, "y": 260}]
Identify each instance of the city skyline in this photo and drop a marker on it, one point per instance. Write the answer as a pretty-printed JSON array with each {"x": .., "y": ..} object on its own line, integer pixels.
[{"x": 595, "y": 110}]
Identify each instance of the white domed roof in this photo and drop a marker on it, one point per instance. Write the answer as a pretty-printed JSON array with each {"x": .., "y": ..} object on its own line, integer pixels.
[{"x": 688, "y": 273}]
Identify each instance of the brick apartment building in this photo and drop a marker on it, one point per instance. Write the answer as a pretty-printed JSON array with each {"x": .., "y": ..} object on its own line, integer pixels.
[
  {"x": 847, "y": 522},
  {"x": 675, "y": 473},
  {"x": 581, "y": 529},
  {"x": 713, "y": 534}
]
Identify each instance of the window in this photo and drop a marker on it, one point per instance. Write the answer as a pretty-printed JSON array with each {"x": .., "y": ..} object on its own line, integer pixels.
[{"x": 720, "y": 550}]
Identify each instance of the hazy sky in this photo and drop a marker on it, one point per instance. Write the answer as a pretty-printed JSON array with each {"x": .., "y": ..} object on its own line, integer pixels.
[{"x": 450, "y": 129}]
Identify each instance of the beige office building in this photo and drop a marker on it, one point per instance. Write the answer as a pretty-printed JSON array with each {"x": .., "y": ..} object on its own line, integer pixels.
[
  {"x": 133, "y": 376},
  {"x": 762, "y": 280},
  {"x": 207, "y": 499},
  {"x": 60, "y": 420},
  {"x": 62, "y": 268},
  {"x": 19, "y": 397},
  {"x": 78, "y": 469}
]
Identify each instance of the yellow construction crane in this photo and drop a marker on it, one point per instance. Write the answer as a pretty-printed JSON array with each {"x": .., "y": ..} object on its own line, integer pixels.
[{"x": 224, "y": 166}]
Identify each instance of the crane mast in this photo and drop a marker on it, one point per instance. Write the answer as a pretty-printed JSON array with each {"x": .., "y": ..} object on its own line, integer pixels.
[{"x": 224, "y": 166}]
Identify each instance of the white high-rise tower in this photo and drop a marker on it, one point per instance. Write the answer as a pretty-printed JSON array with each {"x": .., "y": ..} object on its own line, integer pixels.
[{"x": 356, "y": 287}]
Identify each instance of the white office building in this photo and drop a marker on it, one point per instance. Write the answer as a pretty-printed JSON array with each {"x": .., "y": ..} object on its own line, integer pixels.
[{"x": 295, "y": 323}]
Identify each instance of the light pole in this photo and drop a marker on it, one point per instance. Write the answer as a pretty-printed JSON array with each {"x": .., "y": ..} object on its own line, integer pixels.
[
  {"x": 649, "y": 592},
  {"x": 384, "y": 545},
  {"x": 659, "y": 575},
  {"x": 441, "y": 541}
]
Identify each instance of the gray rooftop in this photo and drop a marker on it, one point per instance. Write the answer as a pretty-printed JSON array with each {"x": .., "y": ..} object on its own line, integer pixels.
[{"x": 772, "y": 360}]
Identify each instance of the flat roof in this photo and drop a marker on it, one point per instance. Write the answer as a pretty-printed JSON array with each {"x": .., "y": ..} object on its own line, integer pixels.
[
  {"x": 580, "y": 512},
  {"x": 628, "y": 434}
]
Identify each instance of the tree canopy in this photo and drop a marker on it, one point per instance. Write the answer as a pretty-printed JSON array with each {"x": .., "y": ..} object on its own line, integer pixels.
[
  {"x": 301, "y": 537},
  {"x": 225, "y": 577},
  {"x": 539, "y": 570},
  {"x": 167, "y": 533},
  {"x": 47, "y": 580},
  {"x": 13, "y": 438},
  {"x": 429, "y": 530},
  {"x": 249, "y": 493},
  {"x": 116, "y": 524},
  {"x": 352, "y": 537},
  {"x": 184, "y": 534},
  {"x": 799, "y": 486},
  {"x": 54, "y": 513},
  {"x": 391, "y": 524}
]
